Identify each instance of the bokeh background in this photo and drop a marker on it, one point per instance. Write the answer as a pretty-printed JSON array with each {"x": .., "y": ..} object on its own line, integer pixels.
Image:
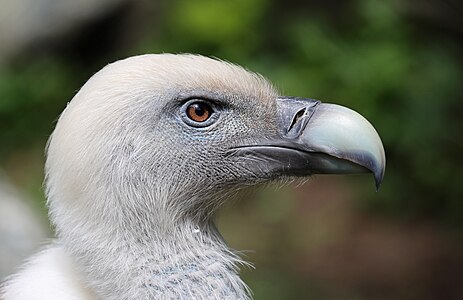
[{"x": 399, "y": 63}]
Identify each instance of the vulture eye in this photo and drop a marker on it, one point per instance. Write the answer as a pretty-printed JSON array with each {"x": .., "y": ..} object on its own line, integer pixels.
[{"x": 199, "y": 113}]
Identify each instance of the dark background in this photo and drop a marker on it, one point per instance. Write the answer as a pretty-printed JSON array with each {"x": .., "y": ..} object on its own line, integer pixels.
[{"x": 399, "y": 63}]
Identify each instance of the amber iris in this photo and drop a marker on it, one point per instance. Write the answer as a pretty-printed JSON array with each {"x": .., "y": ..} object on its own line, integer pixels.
[{"x": 199, "y": 112}]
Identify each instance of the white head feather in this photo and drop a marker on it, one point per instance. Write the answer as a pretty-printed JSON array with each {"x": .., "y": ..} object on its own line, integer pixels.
[{"x": 129, "y": 193}]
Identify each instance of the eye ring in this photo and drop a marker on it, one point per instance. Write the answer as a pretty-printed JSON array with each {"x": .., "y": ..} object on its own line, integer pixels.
[{"x": 199, "y": 113}]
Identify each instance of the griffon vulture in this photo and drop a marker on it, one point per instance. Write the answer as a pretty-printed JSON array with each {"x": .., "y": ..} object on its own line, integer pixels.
[{"x": 146, "y": 152}]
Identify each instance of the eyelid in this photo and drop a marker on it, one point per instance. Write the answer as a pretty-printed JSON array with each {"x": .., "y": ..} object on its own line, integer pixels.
[{"x": 214, "y": 103}]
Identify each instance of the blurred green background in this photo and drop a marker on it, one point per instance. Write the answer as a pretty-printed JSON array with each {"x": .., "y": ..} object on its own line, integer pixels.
[{"x": 399, "y": 63}]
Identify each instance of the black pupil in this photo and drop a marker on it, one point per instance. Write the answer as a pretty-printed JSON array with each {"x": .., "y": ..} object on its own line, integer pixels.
[{"x": 200, "y": 109}]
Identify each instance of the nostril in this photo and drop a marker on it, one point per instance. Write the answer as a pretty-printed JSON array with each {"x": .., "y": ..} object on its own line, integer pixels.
[
  {"x": 294, "y": 114},
  {"x": 296, "y": 118}
]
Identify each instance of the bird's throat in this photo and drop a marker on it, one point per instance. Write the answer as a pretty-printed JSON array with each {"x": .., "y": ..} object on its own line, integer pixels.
[{"x": 188, "y": 264}]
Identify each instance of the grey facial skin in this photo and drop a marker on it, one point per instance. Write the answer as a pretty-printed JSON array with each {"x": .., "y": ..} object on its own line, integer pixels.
[{"x": 318, "y": 138}]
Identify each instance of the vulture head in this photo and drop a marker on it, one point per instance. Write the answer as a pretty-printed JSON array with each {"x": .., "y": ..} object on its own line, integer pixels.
[{"x": 152, "y": 145}]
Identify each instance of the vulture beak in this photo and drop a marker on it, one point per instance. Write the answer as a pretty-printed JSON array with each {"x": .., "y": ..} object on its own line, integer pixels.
[{"x": 318, "y": 138}]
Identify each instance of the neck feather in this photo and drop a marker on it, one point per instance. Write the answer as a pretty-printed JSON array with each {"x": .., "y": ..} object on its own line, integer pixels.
[{"x": 187, "y": 263}]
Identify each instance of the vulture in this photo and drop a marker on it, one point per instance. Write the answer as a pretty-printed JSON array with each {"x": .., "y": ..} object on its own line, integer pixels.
[{"x": 144, "y": 155}]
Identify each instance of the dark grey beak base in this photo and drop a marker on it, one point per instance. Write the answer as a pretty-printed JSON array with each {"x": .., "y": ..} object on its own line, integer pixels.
[{"x": 317, "y": 138}]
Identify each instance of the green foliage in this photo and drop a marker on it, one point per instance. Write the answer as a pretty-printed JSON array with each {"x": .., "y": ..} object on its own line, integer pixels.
[
  {"x": 406, "y": 82},
  {"x": 31, "y": 97},
  {"x": 366, "y": 55},
  {"x": 408, "y": 87}
]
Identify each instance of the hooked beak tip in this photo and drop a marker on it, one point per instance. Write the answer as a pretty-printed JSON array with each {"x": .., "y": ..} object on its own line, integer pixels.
[
  {"x": 336, "y": 131},
  {"x": 378, "y": 179}
]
